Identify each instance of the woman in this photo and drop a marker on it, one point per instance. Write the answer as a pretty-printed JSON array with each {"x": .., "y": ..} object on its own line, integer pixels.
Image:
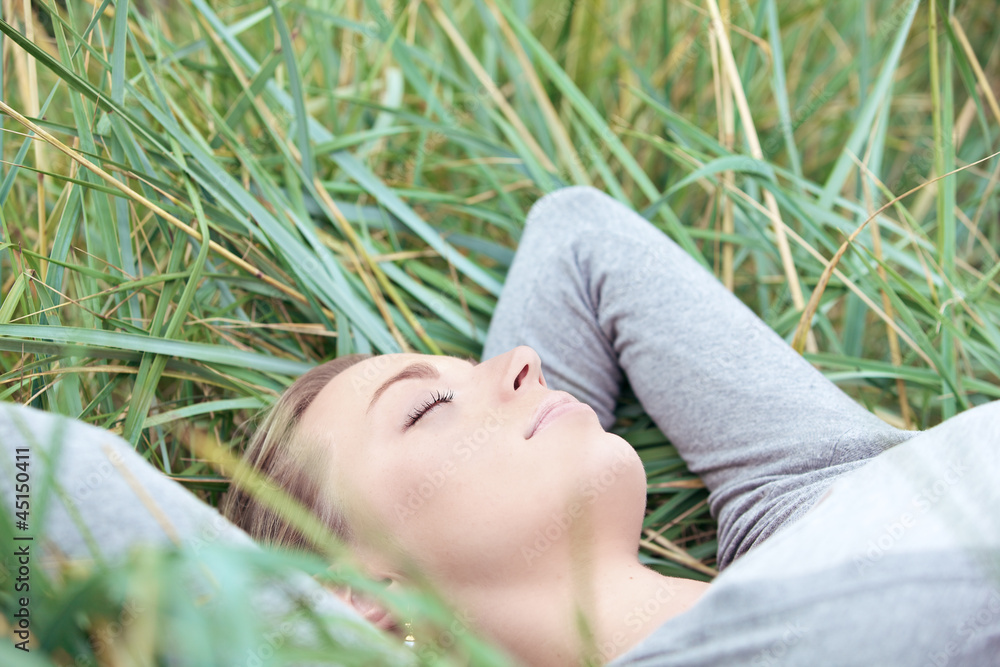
[{"x": 499, "y": 483}]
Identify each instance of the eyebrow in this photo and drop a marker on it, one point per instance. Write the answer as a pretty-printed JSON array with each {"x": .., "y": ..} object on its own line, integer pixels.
[{"x": 417, "y": 371}]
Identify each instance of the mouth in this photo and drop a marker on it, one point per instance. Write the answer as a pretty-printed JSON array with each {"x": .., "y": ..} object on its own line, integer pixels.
[{"x": 548, "y": 410}]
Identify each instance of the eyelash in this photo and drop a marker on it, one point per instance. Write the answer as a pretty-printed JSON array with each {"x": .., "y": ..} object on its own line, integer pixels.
[{"x": 414, "y": 416}]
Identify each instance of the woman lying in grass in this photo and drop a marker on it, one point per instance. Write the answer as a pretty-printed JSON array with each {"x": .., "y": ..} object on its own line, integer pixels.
[{"x": 842, "y": 540}]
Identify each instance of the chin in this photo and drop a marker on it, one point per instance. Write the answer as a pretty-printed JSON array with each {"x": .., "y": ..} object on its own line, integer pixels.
[{"x": 610, "y": 485}]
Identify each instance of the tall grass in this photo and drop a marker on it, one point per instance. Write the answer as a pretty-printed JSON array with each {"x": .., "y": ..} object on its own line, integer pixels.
[{"x": 202, "y": 200}]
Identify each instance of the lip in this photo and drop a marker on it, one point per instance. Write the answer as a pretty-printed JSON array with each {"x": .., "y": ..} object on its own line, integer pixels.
[{"x": 549, "y": 406}]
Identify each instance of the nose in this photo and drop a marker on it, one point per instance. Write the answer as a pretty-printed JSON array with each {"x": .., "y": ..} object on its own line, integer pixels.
[{"x": 523, "y": 369}]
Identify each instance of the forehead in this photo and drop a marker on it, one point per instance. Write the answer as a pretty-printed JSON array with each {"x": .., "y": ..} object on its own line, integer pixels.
[
  {"x": 363, "y": 379},
  {"x": 350, "y": 391}
]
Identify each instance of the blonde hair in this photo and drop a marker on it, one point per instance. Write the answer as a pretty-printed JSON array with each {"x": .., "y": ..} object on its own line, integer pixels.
[{"x": 290, "y": 461}]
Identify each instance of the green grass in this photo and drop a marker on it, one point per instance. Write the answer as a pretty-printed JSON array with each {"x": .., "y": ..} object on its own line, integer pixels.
[{"x": 362, "y": 171}]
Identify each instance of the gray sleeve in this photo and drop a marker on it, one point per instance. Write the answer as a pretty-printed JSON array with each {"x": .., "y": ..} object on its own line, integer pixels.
[
  {"x": 597, "y": 290},
  {"x": 105, "y": 498}
]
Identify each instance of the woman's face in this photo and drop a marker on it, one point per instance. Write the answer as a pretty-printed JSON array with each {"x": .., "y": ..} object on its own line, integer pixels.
[{"x": 440, "y": 456}]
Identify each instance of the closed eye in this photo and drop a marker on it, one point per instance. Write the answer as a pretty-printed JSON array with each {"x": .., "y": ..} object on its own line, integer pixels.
[{"x": 426, "y": 407}]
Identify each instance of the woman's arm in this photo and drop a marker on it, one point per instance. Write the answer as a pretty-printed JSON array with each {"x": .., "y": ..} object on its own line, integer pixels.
[{"x": 597, "y": 289}]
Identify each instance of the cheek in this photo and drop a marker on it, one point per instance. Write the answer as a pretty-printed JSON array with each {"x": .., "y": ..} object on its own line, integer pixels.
[
  {"x": 449, "y": 471},
  {"x": 507, "y": 489},
  {"x": 471, "y": 501},
  {"x": 616, "y": 481},
  {"x": 435, "y": 499},
  {"x": 407, "y": 491}
]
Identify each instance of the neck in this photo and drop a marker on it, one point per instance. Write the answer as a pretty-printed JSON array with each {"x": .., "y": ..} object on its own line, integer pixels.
[{"x": 544, "y": 620}]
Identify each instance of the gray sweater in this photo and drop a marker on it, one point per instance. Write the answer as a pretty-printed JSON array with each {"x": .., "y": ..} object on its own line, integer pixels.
[
  {"x": 842, "y": 540},
  {"x": 898, "y": 565}
]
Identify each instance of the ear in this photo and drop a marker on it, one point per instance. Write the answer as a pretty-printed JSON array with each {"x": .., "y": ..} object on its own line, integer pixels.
[{"x": 367, "y": 606}]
